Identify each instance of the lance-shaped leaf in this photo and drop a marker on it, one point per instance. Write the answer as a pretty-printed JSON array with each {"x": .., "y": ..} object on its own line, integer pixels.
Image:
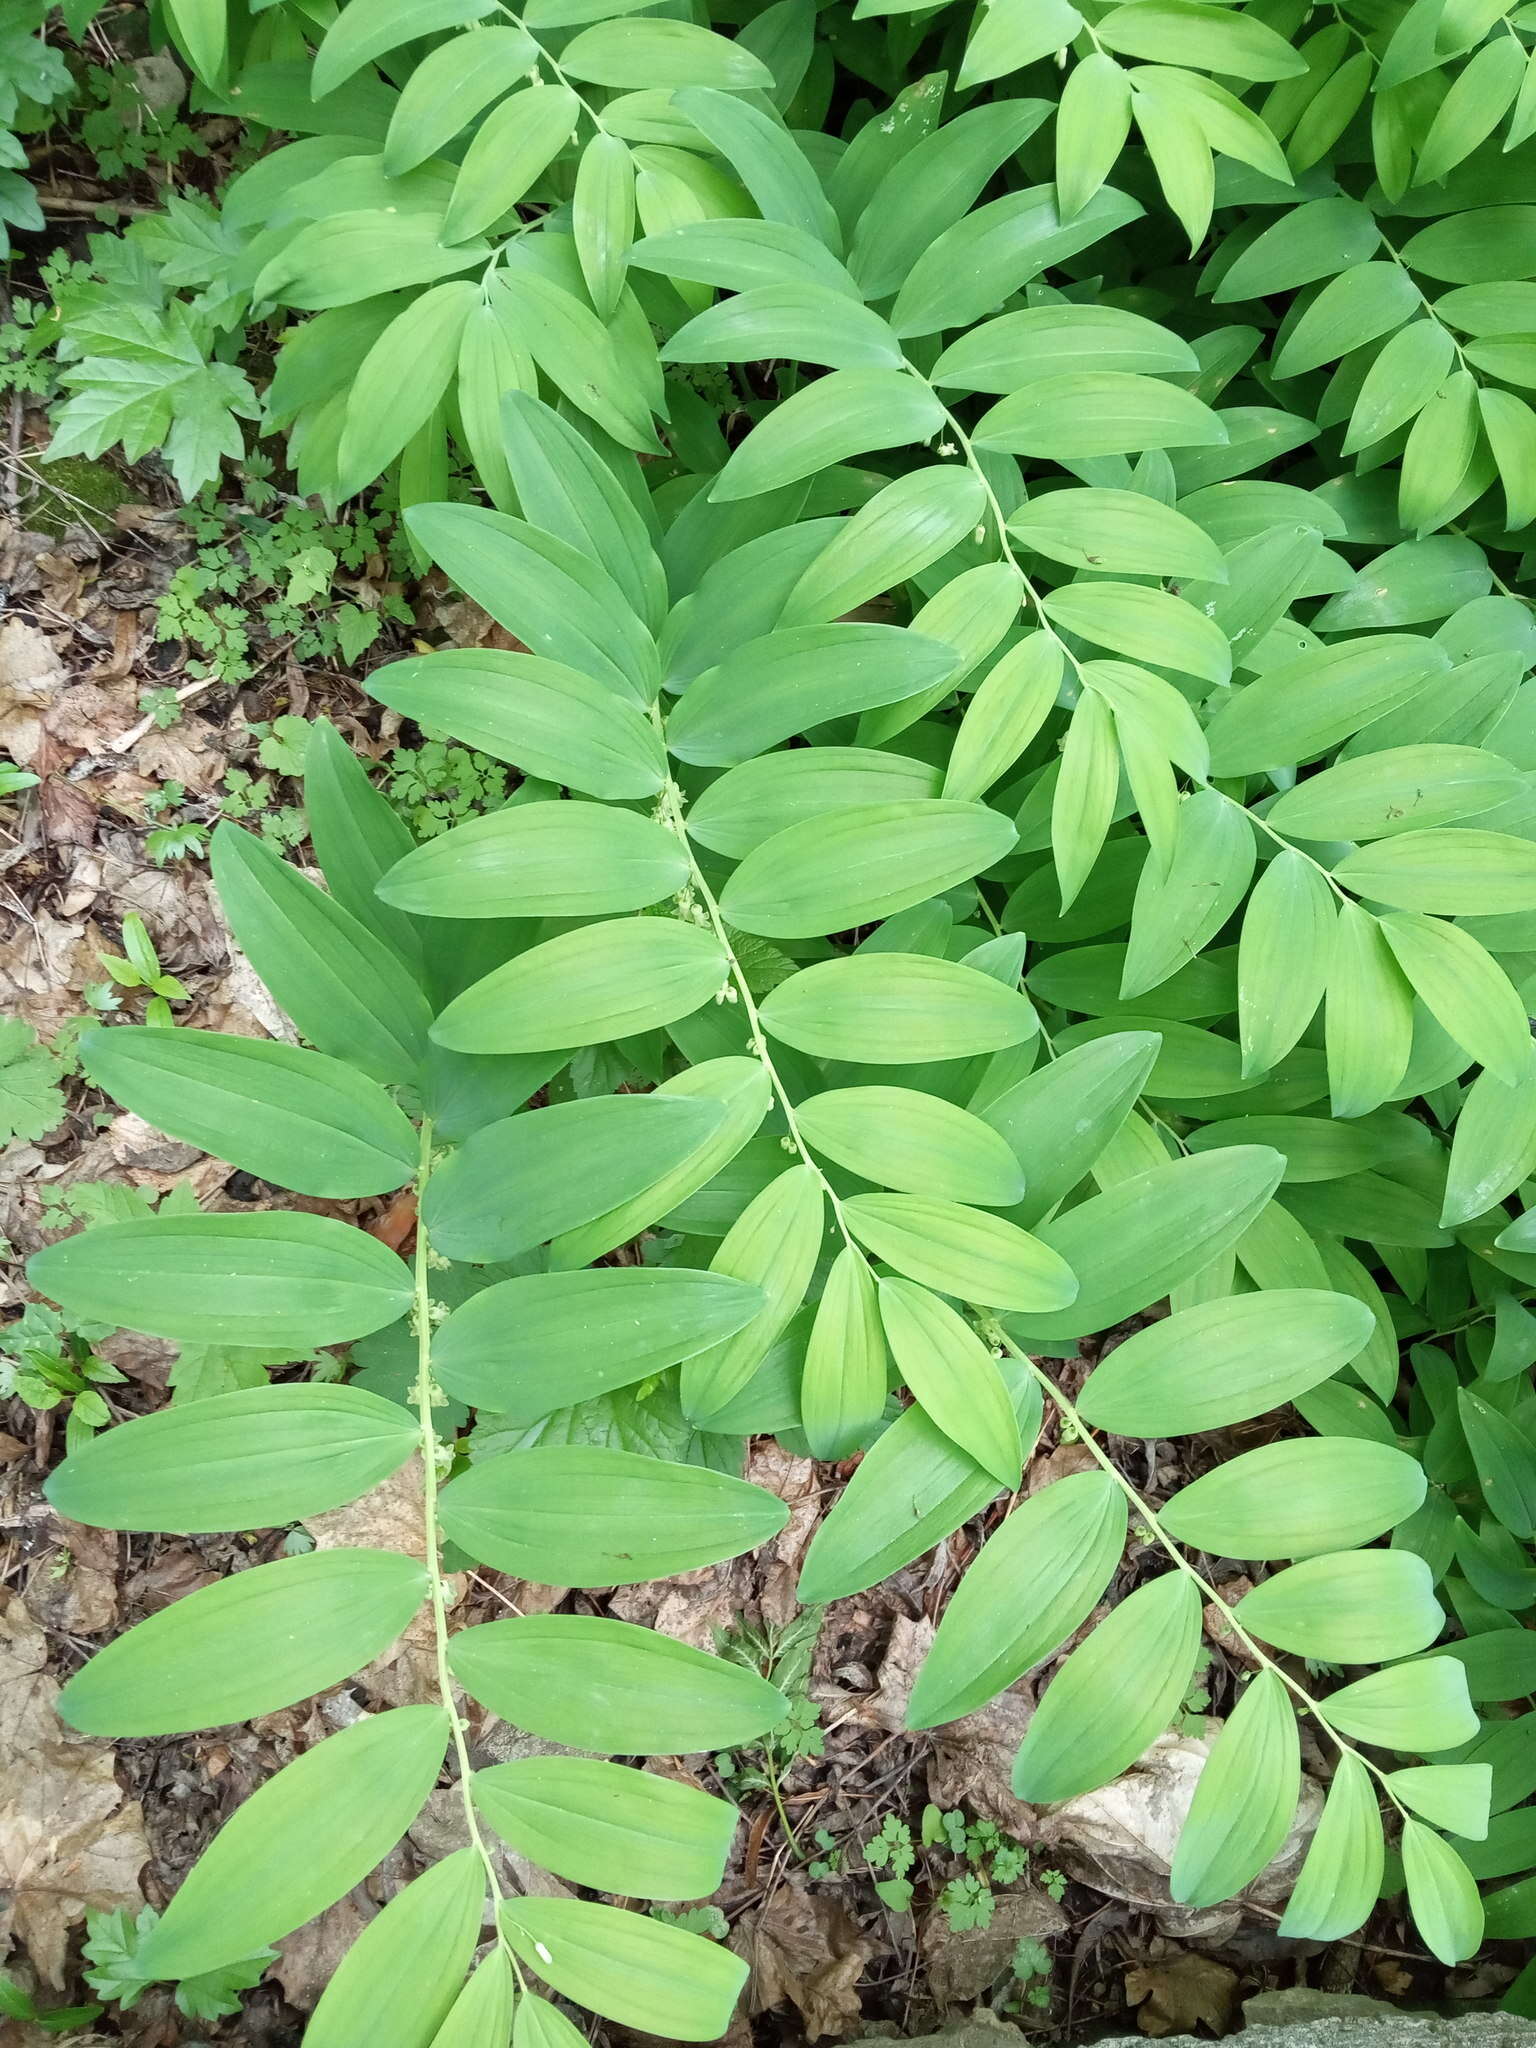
[
  {"x": 248, "y": 1645},
  {"x": 1442, "y": 1894},
  {"x": 1114, "y": 1694},
  {"x": 1058, "y": 1119},
  {"x": 298, "y": 1118},
  {"x": 1245, "y": 1799},
  {"x": 952, "y": 1375},
  {"x": 1420, "y": 1707},
  {"x": 1177, "y": 913},
  {"x": 1349, "y": 1607},
  {"x": 402, "y": 1976},
  {"x": 609, "y": 980},
  {"x": 1297, "y": 1497},
  {"x": 612, "y": 1687},
  {"x": 845, "y": 414},
  {"x": 918, "y": 1144},
  {"x": 547, "y": 719},
  {"x": 550, "y": 1340},
  {"x": 1030, "y": 1586},
  {"x": 526, "y": 1178},
  {"x": 259, "y": 1457},
  {"x": 1224, "y": 1361},
  {"x": 757, "y": 798},
  {"x": 843, "y": 1379},
  {"x": 343, "y": 987},
  {"x": 1340, "y": 1881},
  {"x": 912, "y": 1488},
  {"x": 540, "y": 860},
  {"x": 1285, "y": 956},
  {"x": 271, "y": 1279},
  {"x": 856, "y": 866},
  {"x": 773, "y": 1245},
  {"x": 601, "y": 1824},
  {"x": 961, "y": 1251},
  {"x": 627, "y": 1967},
  {"x": 896, "y": 1008},
  {"x": 1493, "y": 1147},
  {"x": 300, "y": 1841}
]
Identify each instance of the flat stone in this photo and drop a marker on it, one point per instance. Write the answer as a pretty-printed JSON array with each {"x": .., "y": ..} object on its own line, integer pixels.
[{"x": 1295, "y": 2019}]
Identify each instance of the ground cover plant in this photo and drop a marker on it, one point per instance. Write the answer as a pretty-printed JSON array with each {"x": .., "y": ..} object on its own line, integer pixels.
[{"x": 1018, "y": 830}]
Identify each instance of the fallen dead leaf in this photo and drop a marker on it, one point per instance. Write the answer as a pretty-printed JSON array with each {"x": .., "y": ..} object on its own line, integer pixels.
[
  {"x": 1181, "y": 1992},
  {"x": 68, "y": 1837},
  {"x": 806, "y": 1952}
]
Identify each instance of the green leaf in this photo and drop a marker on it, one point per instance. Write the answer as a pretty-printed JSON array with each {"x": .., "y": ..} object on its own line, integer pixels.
[
  {"x": 1178, "y": 913},
  {"x": 1359, "y": 305},
  {"x": 1456, "y": 871},
  {"x": 1179, "y": 32},
  {"x": 1093, "y": 119},
  {"x": 1350, "y": 1607},
  {"x": 1340, "y": 1880},
  {"x": 343, "y": 988},
  {"x": 260, "y": 1457},
  {"x": 750, "y": 803},
  {"x": 401, "y": 1977},
  {"x": 603, "y": 1825},
  {"x": 365, "y": 29},
  {"x": 915, "y": 1143},
  {"x": 549, "y": 1340},
  {"x": 549, "y": 720},
  {"x": 449, "y": 87},
  {"x": 626, "y": 1967},
  {"x": 994, "y": 250},
  {"x": 611, "y": 1687},
  {"x": 773, "y": 1245},
  {"x": 1007, "y": 37},
  {"x": 788, "y": 681},
  {"x": 1087, "y": 786},
  {"x": 911, "y": 1489},
  {"x": 845, "y": 414},
  {"x": 1369, "y": 1015},
  {"x": 1116, "y": 1692},
  {"x": 1400, "y": 789},
  {"x": 1442, "y": 446},
  {"x": 558, "y": 602},
  {"x": 1058, "y": 1119},
  {"x": 249, "y": 1644},
  {"x": 1493, "y": 1147},
  {"x": 294, "y": 1117},
  {"x": 1442, "y": 1895},
  {"x": 778, "y": 177},
  {"x": 1004, "y": 715},
  {"x": 1224, "y": 1361},
  {"x": 1031, "y": 1586},
  {"x": 540, "y": 860},
  {"x": 604, "y": 981},
  {"x": 1245, "y": 1799},
  {"x": 1008, "y": 353},
  {"x": 961, "y": 1251},
  {"x": 843, "y": 1379},
  {"x": 570, "y": 1516},
  {"x": 1478, "y": 98},
  {"x": 742, "y": 1087},
  {"x": 903, "y": 529},
  {"x": 1306, "y": 243},
  {"x": 629, "y": 53},
  {"x": 1452, "y": 1796},
  {"x": 1505, "y": 1460},
  {"x": 952, "y": 1376},
  {"x": 1117, "y": 530},
  {"x": 1419, "y": 1708},
  {"x": 894, "y": 1008},
  {"x": 482, "y": 2012},
  {"x": 519, "y": 1181},
  {"x": 356, "y": 835},
  {"x": 276, "y": 1278},
  {"x": 1080, "y": 413},
  {"x": 858, "y": 865},
  {"x": 512, "y": 146},
  {"x": 1294, "y": 1498},
  {"x": 1465, "y": 989},
  {"x": 812, "y": 323},
  {"x": 1130, "y": 1245},
  {"x": 1307, "y": 706},
  {"x": 538, "y": 2024},
  {"x": 299, "y": 1842}
]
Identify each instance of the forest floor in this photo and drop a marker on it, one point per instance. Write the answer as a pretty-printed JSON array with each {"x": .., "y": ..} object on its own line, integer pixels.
[{"x": 1059, "y": 1920}]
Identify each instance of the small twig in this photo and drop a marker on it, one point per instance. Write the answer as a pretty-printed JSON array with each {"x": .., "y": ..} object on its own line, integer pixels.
[
  {"x": 59, "y": 202},
  {"x": 146, "y": 724}
]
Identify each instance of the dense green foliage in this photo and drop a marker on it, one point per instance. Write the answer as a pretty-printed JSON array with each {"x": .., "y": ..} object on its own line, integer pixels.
[{"x": 932, "y": 577}]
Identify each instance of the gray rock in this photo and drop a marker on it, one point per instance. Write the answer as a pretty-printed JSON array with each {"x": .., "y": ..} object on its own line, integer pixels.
[{"x": 1294, "y": 2019}]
